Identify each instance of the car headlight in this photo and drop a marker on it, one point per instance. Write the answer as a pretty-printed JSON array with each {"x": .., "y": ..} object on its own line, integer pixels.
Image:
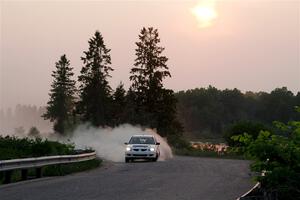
[
  {"x": 128, "y": 148},
  {"x": 152, "y": 149}
]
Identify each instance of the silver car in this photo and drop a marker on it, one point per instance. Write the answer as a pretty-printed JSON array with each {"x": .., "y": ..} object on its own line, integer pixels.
[{"x": 142, "y": 147}]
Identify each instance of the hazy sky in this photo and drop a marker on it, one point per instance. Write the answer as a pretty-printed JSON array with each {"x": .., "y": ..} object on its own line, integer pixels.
[{"x": 252, "y": 44}]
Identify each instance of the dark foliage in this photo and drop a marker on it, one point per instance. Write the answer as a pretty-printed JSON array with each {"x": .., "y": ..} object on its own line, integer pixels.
[
  {"x": 60, "y": 107},
  {"x": 239, "y": 128},
  {"x": 154, "y": 105},
  {"x": 16, "y": 148},
  {"x": 119, "y": 105},
  {"x": 207, "y": 112},
  {"x": 276, "y": 158},
  {"x": 13, "y": 148},
  {"x": 95, "y": 93}
]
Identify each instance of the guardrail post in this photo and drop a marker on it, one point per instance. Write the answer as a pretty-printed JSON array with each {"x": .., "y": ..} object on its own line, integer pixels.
[
  {"x": 24, "y": 173},
  {"x": 7, "y": 176},
  {"x": 38, "y": 172}
]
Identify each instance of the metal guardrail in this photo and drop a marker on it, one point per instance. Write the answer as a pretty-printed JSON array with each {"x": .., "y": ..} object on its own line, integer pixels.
[
  {"x": 247, "y": 195},
  {"x": 244, "y": 196},
  {"x": 26, "y": 163},
  {"x": 7, "y": 166}
]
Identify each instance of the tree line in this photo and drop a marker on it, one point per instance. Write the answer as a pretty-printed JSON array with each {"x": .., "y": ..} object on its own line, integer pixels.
[
  {"x": 146, "y": 103},
  {"x": 208, "y": 112}
]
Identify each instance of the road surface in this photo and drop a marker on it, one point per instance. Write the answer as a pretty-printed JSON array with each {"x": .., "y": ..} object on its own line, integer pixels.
[{"x": 182, "y": 178}]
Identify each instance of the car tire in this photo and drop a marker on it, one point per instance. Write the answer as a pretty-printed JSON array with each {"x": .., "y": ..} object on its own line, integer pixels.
[
  {"x": 156, "y": 158},
  {"x": 127, "y": 160}
]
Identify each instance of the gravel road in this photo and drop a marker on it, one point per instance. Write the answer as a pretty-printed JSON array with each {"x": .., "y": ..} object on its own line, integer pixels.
[{"x": 182, "y": 178}]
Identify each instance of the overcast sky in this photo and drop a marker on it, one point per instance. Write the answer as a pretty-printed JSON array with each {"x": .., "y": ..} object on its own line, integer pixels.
[{"x": 252, "y": 44}]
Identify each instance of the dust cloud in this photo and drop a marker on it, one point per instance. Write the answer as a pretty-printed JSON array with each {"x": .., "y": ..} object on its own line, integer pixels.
[{"x": 109, "y": 142}]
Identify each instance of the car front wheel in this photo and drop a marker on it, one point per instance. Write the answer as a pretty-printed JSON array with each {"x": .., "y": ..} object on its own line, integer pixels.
[{"x": 156, "y": 158}]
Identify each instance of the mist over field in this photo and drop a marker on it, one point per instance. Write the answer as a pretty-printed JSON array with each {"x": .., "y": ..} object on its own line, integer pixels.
[{"x": 20, "y": 119}]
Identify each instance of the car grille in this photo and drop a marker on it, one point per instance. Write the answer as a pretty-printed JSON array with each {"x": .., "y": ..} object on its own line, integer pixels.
[{"x": 139, "y": 149}]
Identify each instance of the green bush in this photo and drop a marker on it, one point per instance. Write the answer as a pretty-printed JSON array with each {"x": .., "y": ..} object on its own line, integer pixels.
[
  {"x": 239, "y": 128},
  {"x": 178, "y": 142},
  {"x": 12, "y": 147},
  {"x": 277, "y": 158}
]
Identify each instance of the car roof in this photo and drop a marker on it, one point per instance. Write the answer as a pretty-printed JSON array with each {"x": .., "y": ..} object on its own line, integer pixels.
[{"x": 142, "y": 136}]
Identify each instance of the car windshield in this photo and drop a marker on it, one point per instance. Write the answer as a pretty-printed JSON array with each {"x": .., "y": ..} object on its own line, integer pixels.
[{"x": 142, "y": 140}]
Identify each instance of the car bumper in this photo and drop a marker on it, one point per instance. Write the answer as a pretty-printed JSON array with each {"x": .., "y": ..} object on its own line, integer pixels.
[{"x": 142, "y": 155}]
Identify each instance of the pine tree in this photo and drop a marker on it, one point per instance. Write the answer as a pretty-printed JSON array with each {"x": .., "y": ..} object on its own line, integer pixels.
[
  {"x": 150, "y": 66},
  {"x": 95, "y": 93},
  {"x": 34, "y": 132},
  {"x": 119, "y": 99},
  {"x": 156, "y": 106},
  {"x": 131, "y": 108},
  {"x": 61, "y": 104}
]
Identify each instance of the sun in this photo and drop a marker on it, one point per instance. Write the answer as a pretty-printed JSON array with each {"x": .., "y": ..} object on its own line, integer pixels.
[{"x": 205, "y": 13}]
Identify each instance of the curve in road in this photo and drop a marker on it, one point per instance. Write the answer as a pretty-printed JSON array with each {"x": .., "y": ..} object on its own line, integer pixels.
[{"x": 182, "y": 178}]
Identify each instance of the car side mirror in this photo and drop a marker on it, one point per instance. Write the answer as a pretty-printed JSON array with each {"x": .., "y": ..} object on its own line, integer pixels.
[
  {"x": 126, "y": 143},
  {"x": 157, "y": 143}
]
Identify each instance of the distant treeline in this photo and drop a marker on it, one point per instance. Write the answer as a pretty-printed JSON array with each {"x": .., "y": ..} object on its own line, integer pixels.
[
  {"x": 204, "y": 112},
  {"x": 207, "y": 112}
]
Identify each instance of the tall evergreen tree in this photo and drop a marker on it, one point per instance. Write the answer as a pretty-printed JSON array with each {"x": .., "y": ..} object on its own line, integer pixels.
[
  {"x": 131, "y": 108},
  {"x": 61, "y": 104},
  {"x": 95, "y": 93},
  {"x": 119, "y": 100},
  {"x": 156, "y": 105}
]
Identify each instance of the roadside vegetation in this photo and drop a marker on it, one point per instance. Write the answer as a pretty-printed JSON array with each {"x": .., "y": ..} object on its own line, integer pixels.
[
  {"x": 16, "y": 148},
  {"x": 12, "y": 147},
  {"x": 276, "y": 158},
  {"x": 251, "y": 128}
]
